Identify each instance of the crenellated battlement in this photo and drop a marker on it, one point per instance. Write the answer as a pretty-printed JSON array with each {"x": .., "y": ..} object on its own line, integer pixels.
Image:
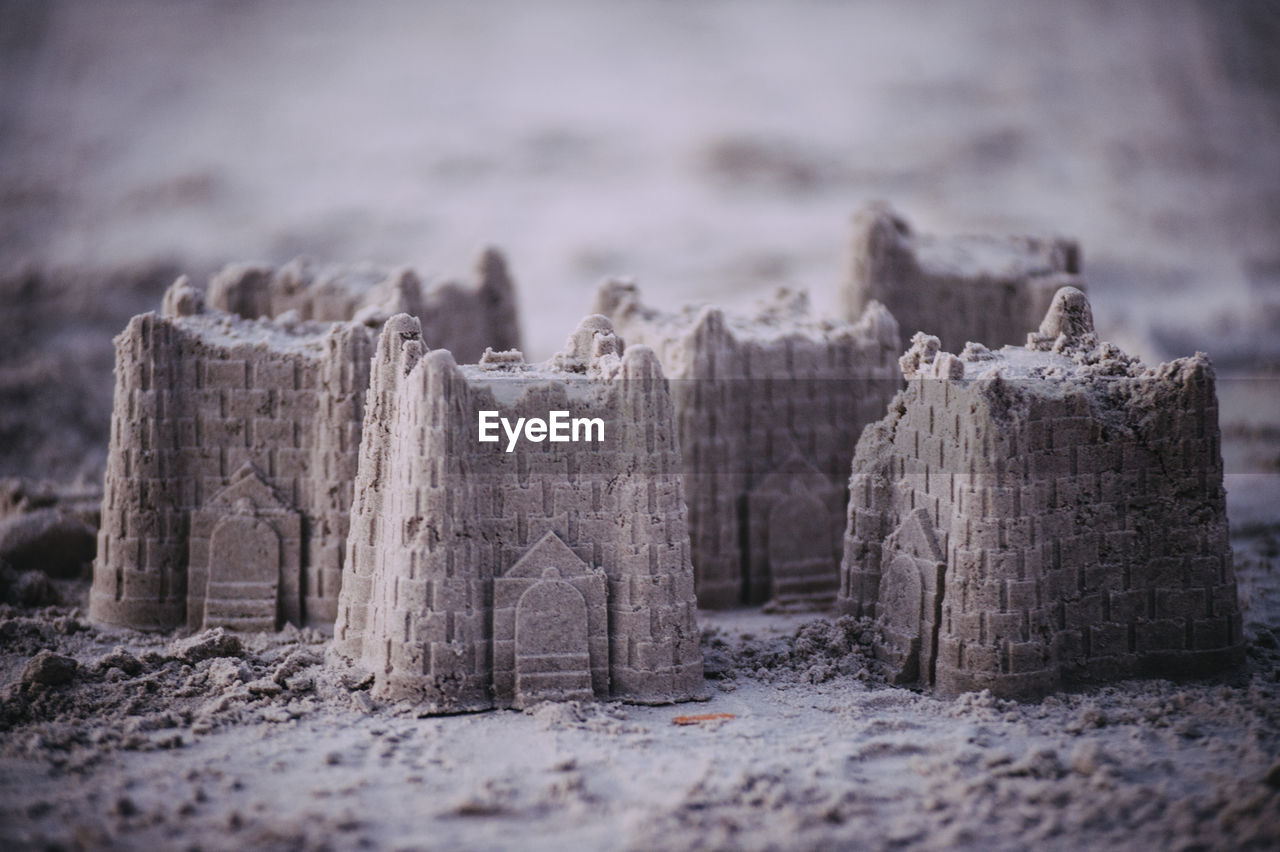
[
  {"x": 959, "y": 288},
  {"x": 464, "y": 317}
]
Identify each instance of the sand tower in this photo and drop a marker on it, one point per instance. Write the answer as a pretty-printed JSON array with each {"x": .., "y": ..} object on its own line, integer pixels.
[
  {"x": 229, "y": 477},
  {"x": 501, "y": 573},
  {"x": 1040, "y": 516}
]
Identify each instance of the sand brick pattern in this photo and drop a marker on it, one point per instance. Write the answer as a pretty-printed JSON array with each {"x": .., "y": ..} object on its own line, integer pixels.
[
  {"x": 212, "y": 411},
  {"x": 768, "y": 407},
  {"x": 481, "y": 578},
  {"x": 1069, "y": 503}
]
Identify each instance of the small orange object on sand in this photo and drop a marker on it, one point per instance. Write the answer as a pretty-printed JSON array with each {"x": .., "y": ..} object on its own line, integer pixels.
[{"x": 700, "y": 717}]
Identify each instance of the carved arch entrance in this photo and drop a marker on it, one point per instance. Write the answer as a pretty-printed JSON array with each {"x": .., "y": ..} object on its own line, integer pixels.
[
  {"x": 243, "y": 589},
  {"x": 553, "y": 661},
  {"x": 910, "y": 601}
]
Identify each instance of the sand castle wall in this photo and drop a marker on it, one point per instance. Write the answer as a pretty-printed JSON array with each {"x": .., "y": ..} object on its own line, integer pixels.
[
  {"x": 965, "y": 288},
  {"x": 767, "y": 408},
  {"x": 212, "y": 413},
  {"x": 1034, "y": 518},
  {"x": 464, "y": 317},
  {"x": 482, "y": 578}
]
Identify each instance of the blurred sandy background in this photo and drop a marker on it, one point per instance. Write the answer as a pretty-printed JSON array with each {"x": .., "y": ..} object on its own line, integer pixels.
[{"x": 711, "y": 149}]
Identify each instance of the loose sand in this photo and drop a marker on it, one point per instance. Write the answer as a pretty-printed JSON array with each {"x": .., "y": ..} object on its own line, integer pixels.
[{"x": 223, "y": 743}]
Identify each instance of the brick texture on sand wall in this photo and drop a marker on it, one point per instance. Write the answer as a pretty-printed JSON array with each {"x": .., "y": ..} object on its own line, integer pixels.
[{"x": 1041, "y": 516}]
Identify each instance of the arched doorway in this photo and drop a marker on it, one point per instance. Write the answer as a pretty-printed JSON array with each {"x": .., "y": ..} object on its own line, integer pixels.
[
  {"x": 800, "y": 558},
  {"x": 909, "y": 607},
  {"x": 551, "y": 652},
  {"x": 901, "y": 601},
  {"x": 244, "y": 575},
  {"x": 245, "y": 553}
]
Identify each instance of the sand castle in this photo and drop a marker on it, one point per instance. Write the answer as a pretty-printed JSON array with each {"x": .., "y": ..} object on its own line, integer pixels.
[
  {"x": 235, "y": 441},
  {"x": 1021, "y": 520},
  {"x": 959, "y": 288},
  {"x": 1043, "y": 515},
  {"x": 233, "y": 450},
  {"x": 491, "y": 574},
  {"x": 464, "y": 318},
  {"x": 477, "y": 573},
  {"x": 768, "y": 407}
]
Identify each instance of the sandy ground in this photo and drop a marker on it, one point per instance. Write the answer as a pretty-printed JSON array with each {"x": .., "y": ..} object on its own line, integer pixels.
[
  {"x": 151, "y": 744},
  {"x": 713, "y": 150}
]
